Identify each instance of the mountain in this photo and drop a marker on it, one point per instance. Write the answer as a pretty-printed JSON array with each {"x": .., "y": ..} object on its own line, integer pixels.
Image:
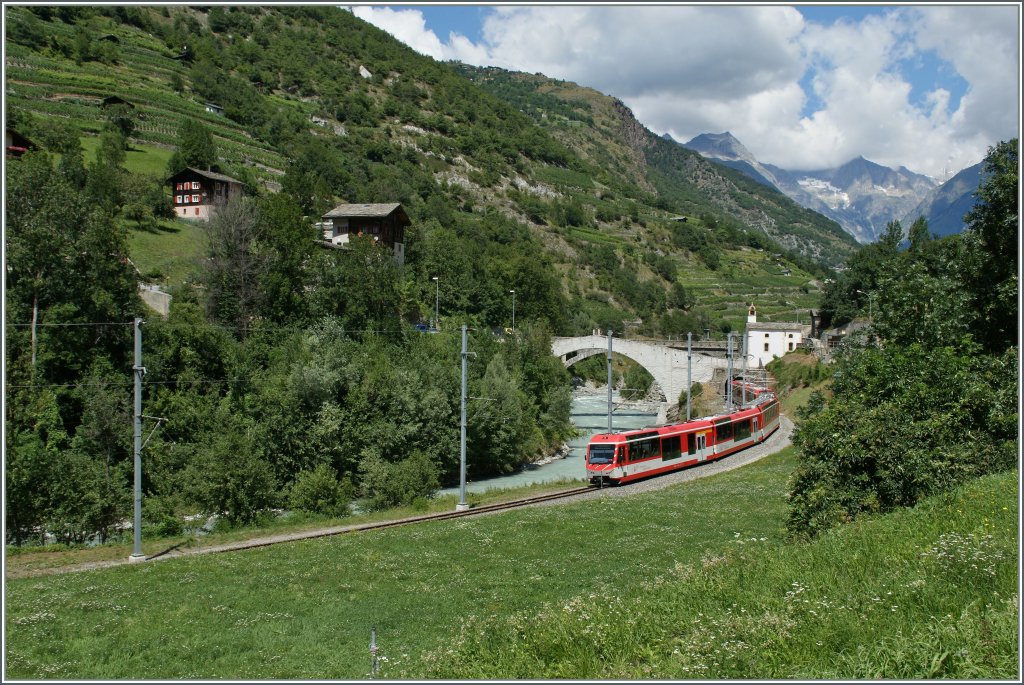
[
  {"x": 861, "y": 196},
  {"x": 725, "y": 149},
  {"x": 944, "y": 207},
  {"x": 506, "y": 177},
  {"x": 601, "y": 128}
]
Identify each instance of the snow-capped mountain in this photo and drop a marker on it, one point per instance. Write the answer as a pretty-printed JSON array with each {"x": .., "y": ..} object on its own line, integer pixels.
[{"x": 860, "y": 195}]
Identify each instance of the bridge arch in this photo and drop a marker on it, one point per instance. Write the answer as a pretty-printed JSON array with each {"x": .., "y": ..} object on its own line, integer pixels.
[
  {"x": 572, "y": 358},
  {"x": 665, "y": 361}
]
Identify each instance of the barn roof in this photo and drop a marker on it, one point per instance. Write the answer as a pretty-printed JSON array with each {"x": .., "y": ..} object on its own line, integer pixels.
[
  {"x": 775, "y": 326},
  {"x": 374, "y": 211}
]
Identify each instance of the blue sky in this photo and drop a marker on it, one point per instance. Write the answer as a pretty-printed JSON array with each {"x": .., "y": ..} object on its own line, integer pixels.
[{"x": 928, "y": 87}]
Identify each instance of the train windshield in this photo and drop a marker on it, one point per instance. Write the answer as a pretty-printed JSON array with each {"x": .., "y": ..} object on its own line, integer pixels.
[{"x": 601, "y": 454}]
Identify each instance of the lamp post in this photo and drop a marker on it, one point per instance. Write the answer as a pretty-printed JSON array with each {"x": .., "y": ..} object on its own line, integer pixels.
[
  {"x": 513, "y": 310},
  {"x": 437, "y": 297},
  {"x": 871, "y": 317}
]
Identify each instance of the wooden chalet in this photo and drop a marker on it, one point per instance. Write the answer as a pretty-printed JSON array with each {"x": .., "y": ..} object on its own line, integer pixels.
[
  {"x": 197, "y": 193},
  {"x": 384, "y": 222},
  {"x": 16, "y": 144},
  {"x": 113, "y": 100}
]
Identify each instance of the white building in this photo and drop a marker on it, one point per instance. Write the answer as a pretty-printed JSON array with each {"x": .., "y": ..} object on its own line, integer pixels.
[{"x": 767, "y": 341}]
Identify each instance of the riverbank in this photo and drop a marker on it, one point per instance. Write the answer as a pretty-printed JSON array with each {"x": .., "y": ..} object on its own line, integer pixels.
[{"x": 589, "y": 415}]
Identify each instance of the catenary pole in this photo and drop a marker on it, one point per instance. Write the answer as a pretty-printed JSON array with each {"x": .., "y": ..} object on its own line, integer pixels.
[
  {"x": 744, "y": 391},
  {"x": 689, "y": 384},
  {"x": 728, "y": 381},
  {"x": 609, "y": 381},
  {"x": 462, "y": 431},
  {"x": 138, "y": 371}
]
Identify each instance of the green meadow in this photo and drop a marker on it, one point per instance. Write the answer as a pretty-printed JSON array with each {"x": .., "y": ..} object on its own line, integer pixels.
[{"x": 692, "y": 581}]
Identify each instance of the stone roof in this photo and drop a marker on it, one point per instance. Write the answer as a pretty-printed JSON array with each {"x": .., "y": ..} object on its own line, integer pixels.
[
  {"x": 376, "y": 211},
  {"x": 775, "y": 326}
]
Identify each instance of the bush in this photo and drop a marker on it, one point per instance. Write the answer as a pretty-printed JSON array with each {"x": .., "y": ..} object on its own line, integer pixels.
[
  {"x": 637, "y": 381},
  {"x": 160, "y": 519},
  {"x": 319, "y": 491},
  {"x": 387, "y": 485},
  {"x": 231, "y": 475},
  {"x": 903, "y": 423},
  {"x": 698, "y": 406}
]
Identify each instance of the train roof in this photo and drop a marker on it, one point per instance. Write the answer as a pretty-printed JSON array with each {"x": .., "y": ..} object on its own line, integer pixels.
[{"x": 700, "y": 422}]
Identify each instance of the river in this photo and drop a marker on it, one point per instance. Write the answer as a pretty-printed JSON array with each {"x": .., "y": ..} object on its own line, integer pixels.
[{"x": 590, "y": 415}]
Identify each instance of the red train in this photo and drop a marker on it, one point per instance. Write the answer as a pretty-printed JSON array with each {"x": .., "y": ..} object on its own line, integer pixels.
[{"x": 624, "y": 456}]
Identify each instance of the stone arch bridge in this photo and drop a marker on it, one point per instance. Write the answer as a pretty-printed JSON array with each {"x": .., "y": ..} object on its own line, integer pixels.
[{"x": 664, "y": 360}]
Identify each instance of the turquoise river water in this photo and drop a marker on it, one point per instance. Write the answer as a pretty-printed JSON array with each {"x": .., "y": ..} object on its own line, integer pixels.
[{"x": 590, "y": 414}]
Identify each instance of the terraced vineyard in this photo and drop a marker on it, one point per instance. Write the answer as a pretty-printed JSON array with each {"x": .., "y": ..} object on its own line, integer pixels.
[{"x": 59, "y": 88}]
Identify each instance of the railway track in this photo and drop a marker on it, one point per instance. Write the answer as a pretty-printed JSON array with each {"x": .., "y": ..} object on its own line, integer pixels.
[
  {"x": 179, "y": 551},
  {"x": 475, "y": 511},
  {"x": 779, "y": 440}
]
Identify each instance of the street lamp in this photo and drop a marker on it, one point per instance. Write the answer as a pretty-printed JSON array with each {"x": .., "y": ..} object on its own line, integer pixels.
[
  {"x": 871, "y": 318},
  {"x": 437, "y": 297},
  {"x": 513, "y": 310}
]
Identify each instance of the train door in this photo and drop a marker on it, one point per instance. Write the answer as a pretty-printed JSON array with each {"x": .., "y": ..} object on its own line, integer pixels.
[
  {"x": 757, "y": 436},
  {"x": 702, "y": 446}
]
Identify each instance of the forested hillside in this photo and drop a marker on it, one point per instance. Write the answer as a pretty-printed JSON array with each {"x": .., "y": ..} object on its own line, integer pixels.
[
  {"x": 391, "y": 125},
  {"x": 603, "y": 129}
]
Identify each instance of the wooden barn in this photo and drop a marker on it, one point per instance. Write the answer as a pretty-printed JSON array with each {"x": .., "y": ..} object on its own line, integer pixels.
[{"x": 384, "y": 222}]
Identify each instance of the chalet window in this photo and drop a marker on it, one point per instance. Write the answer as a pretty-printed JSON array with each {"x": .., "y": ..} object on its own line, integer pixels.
[
  {"x": 177, "y": 199},
  {"x": 766, "y": 347},
  {"x": 178, "y": 186},
  {"x": 195, "y": 185},
  {"x": 195, "y": 198}
]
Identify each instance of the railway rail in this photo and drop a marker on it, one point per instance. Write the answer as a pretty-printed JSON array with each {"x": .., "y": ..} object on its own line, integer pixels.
[
  {"x": 475, "y": 511},
  {"x": 179, "y": 551},
  {"x": 776, "y": 442}
]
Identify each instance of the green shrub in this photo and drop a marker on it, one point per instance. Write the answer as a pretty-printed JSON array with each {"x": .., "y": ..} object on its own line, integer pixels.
[
  {"x": 387, "y": 485},
  {"x": 638, "y": 382},
  {"x": 160, "y": 519},
  {"x": 319, "y": 491},
  {"x": 903, "y": 423}
]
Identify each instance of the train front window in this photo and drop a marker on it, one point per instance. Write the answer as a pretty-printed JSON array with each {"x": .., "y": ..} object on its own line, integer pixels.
[{"x": 601, "y": 454}]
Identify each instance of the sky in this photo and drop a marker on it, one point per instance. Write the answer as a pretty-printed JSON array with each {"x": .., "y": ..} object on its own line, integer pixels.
[{"x": 804, "y": 87}]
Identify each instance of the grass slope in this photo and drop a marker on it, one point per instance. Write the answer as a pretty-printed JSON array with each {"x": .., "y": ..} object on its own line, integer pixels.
[{"x": 694, "y": 580}]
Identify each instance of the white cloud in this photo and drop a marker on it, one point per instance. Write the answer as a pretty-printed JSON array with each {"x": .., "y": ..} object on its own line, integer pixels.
[
  {"x": 688, "y": 70},
  {"x": 410, "y": 27},
  {"x": 982, "y": 44}
]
